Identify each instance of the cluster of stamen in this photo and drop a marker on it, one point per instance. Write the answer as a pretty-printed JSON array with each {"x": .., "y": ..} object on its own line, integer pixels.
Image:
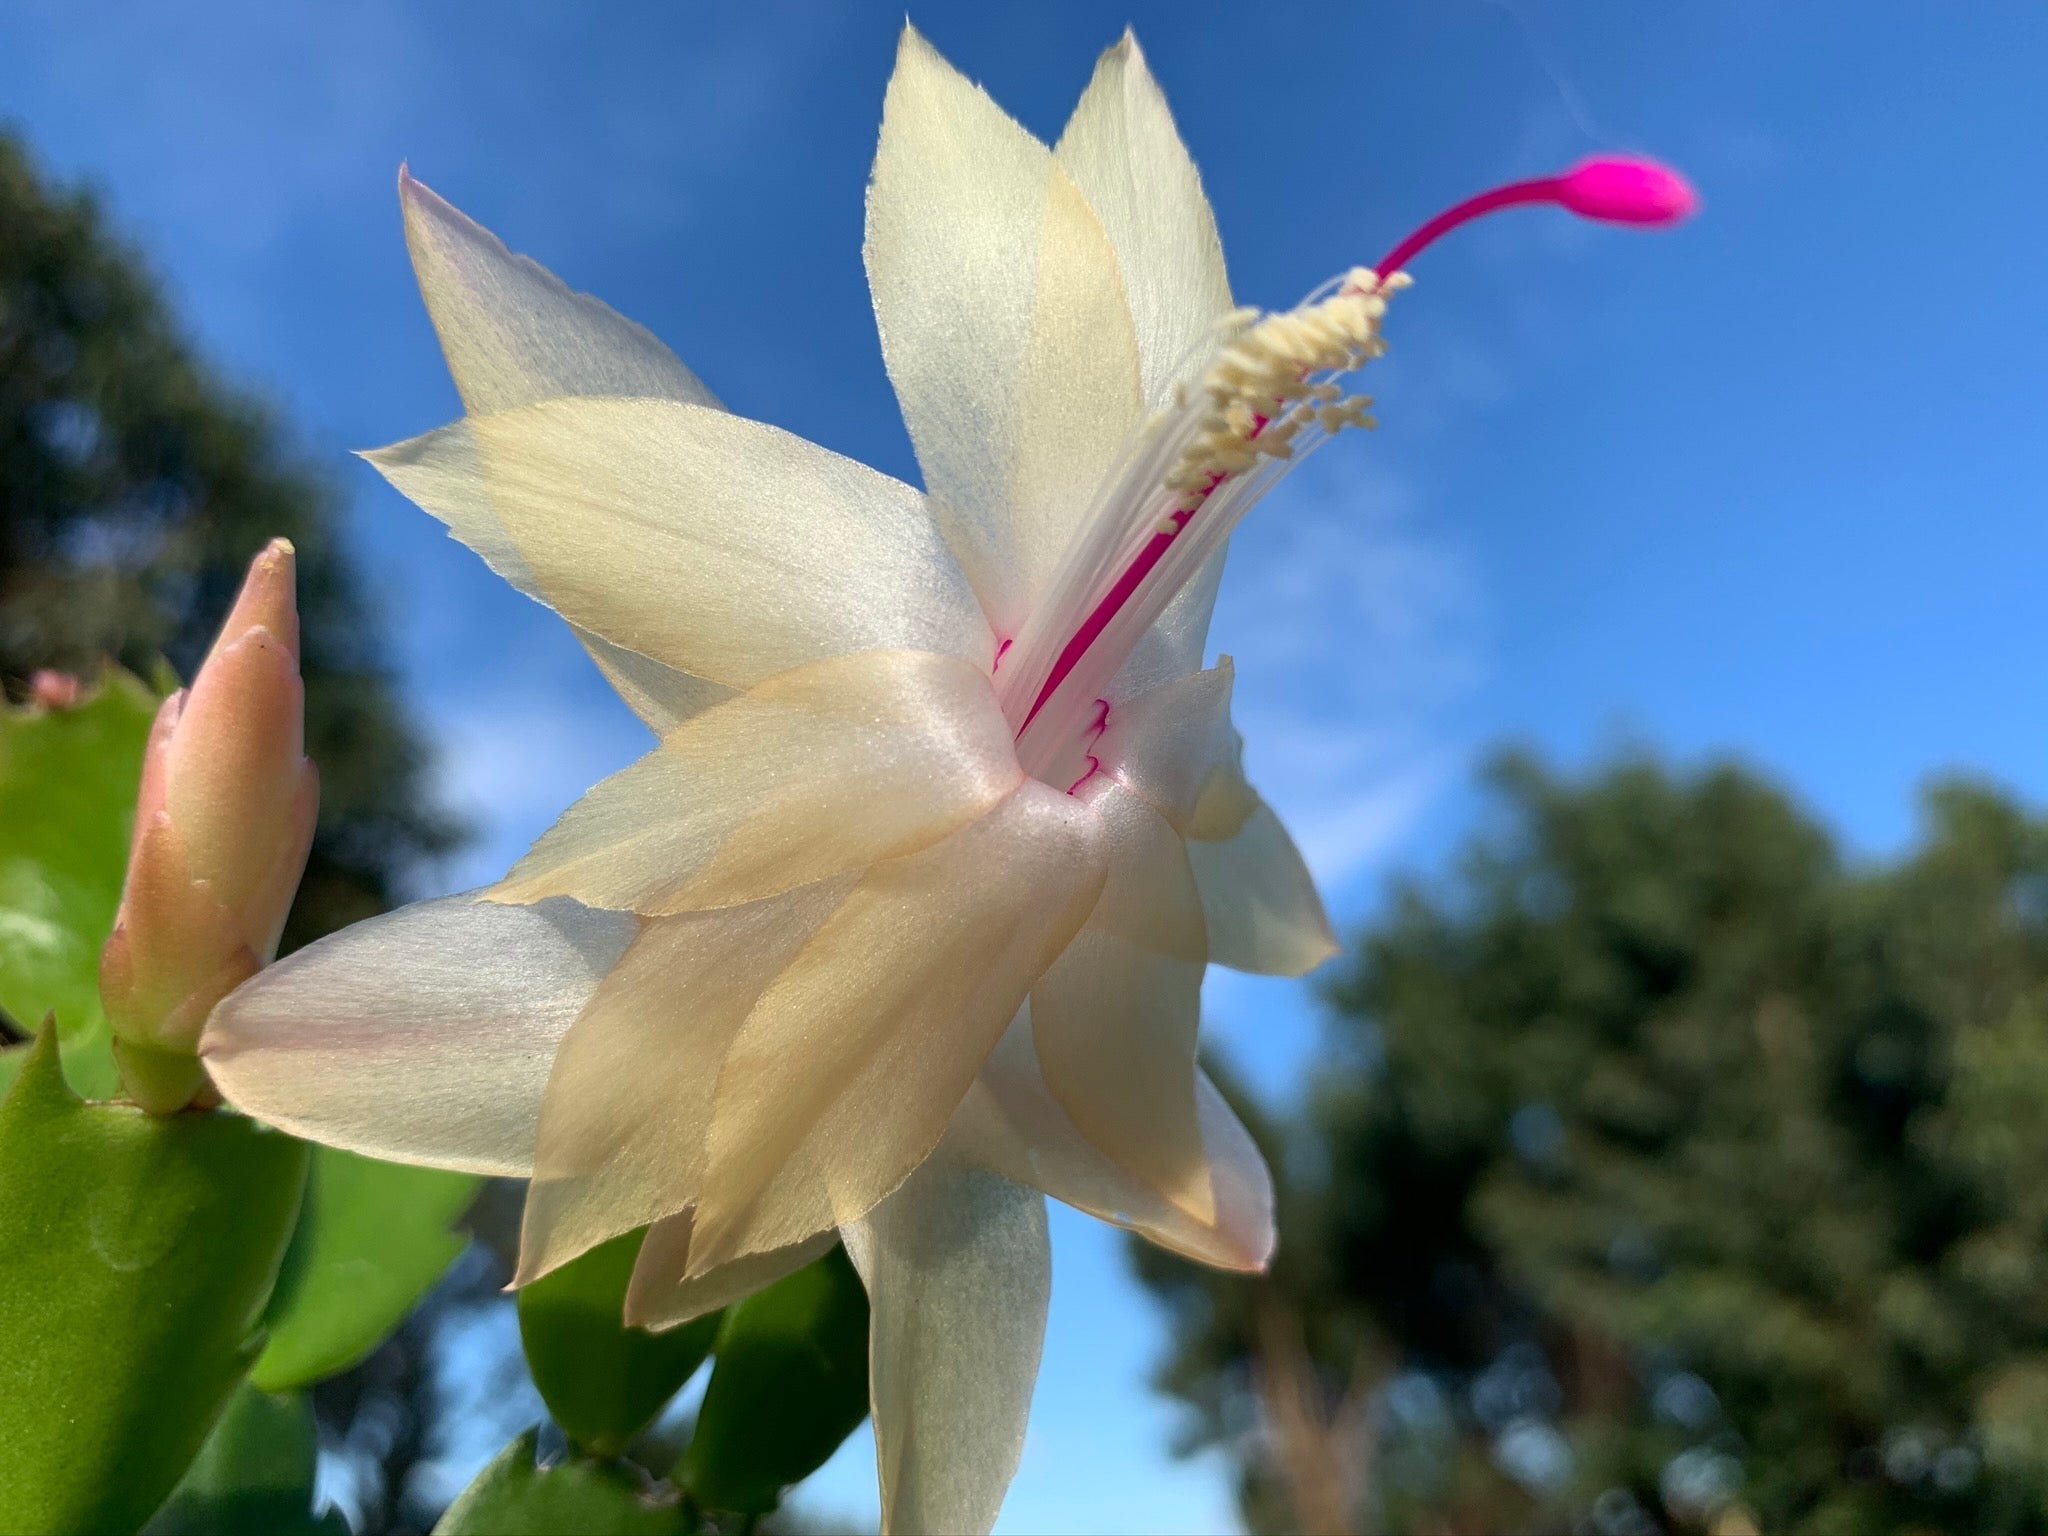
[{"x": 1271, "y": 383}]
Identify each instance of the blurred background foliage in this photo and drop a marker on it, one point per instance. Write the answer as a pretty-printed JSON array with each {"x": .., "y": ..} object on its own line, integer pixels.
[{"x": 1666, "y": 1172}]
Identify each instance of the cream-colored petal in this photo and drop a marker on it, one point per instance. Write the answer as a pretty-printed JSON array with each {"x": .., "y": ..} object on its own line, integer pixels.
[
  {"x": 661, "y": 696},
  {"x": 1166, "y": 742},
  {"x": 1011, "y": 1123},
  {"x": 513, "y": 332},
  {"x": 1263, "y": 912},
  {"x": 621, "y": 1141},
  {"x": 1123, "y": 150},
  {"x": 843, "y": 1078},
  {"x": 1174, "y": 645},
  {"x": 1003, "y": 324},
  {"x": 819, "y": 770},
  {"x": 422, "y": 1036},
  {"x": 662, "y": 1295},
  {"x": 958, "y": 1270},
  {"x": 717, "y": 546},
  {"x": 1115, "y": 1018}
]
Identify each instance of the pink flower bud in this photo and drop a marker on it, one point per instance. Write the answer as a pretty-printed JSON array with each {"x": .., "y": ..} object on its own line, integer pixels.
[
  {"x": 222, "y": 825},
  {"x": 55, "y": 690}
]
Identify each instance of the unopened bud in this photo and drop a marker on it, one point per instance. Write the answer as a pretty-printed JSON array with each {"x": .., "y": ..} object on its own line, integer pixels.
[
  {"x": 49, "y": 689},
  {"x": 222, "y": 825}
]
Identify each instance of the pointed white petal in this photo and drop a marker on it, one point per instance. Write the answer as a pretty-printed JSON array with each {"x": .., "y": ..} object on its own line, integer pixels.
[
  {"x": 1115, "y": 1018},
  {"x": 1115, "y": 1026},
  {"x": 662, "y": 1295},
  {"x": 958, "y": 1270},
  {"x": 513, "y": 332},
  {"x": 1012, "y": 1124},
  {"x": 717, "y": 546},
  {"x": 1003, "y": 323},
  {"x": 843, "y": 1078},
  {"x": 621, "y": 1140},
  {"x": 1167, "y": 742},
  {"x": 1121, "y": 146},
  {"x": 422, "y": 1036},
  {"x": 661, "y": 696},
  {"x": 822, "y": 769},
  {"x": 1175, "y": 644},
  {"x": 1263, "y": 912}
]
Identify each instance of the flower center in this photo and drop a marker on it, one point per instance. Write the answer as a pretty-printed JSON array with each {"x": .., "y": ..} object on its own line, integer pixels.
[{"x": 1263, "y": 400}]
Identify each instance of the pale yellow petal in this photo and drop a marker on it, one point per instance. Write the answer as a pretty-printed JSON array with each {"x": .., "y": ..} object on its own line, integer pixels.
[
  {"x": 513, "y": 332},
  {"x": 1122, "y": 148},
  {"x": 1175, "y": 644},
  {"x": 1116, "y": 1016},
  {"x": 1165, "y": 743},
  {"x": 662, "y": 1295},
  {"x": 1003, "y": 325},
  {"x": 958, "y": 1270},
  {"x": 1149, "y": 896},
  {"x": 820, "y": 770},
  {"x": 1011, "y": 1123},
  {"x": 1078, "y": 394},
  {"x": 621, "y": 1137},
  {"x": 1263, "y": 912},
  {"x": 845, "y": 1075},
  {"x": 422, "y": 1036},
  {"x": 719, "y": 547}
]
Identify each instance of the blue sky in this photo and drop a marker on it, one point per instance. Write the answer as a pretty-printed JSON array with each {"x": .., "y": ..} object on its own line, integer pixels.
[{"x": 1771, "y": 485}]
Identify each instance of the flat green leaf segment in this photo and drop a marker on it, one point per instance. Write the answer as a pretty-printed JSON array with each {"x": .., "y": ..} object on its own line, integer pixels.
[
  {"x": 254, "y": 1475},
  {"x": 136, "y": 1255},
  {"x": 67, "y": 801},
  {"x": 790, "y": 1383},
  {"x": 604, "y": 1382},
  {"x": 513, "y": 1497},
  {"x": 372, "y": 1240}
]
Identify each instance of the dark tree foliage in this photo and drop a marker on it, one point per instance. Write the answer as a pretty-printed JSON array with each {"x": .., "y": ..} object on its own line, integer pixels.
[
  {"x": 1666, "y": 1173},
  {"x": 135, "y": 487}
]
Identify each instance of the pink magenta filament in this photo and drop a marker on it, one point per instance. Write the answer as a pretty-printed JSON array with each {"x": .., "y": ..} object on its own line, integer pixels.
[{"x": 1614, "y": 189}]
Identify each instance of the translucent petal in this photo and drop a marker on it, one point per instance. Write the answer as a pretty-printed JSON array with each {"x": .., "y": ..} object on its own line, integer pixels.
[
  {"x": 1263, "y": 912},
  {"x": 1166, "y": 742},
  {"x": 717, "y": 546},
  {"x": 845, "y": 1075},
  {"x": 958, "y": 1270},
  {"x": 660, "y": 1295},
  {"x": 1115, "y": 1018},
  {"x": 513, "y": 332},
  {"x": 1011, "y": 1123},
  {"x": 1122, "y": 148},
  {"x": 1174, "y": 645},
  {"x": 422, "y": 1036},
  {"x": 1003, "y": 324},
  {"x": 822, "y": 769},
  {"x": 622, "y": 1125}
]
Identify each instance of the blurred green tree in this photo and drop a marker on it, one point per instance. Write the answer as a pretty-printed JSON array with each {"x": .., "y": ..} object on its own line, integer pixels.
[
  {"x": 1665, "y": 1173},
  {"x": 134, "y": 488}
]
